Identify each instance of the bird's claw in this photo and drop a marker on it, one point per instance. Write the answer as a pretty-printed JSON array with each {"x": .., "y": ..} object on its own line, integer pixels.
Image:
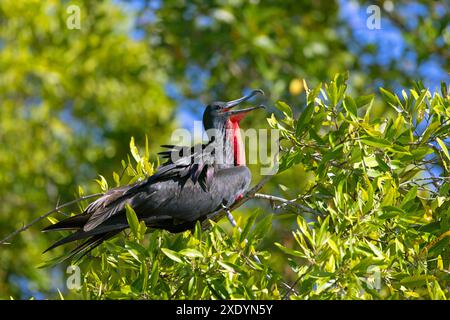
[{"x": 229, "y": 215}]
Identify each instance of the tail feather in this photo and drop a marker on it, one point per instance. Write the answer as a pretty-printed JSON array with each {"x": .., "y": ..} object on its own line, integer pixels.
[
  {"x": 90, "y": 244},
  {"x": 100, "y": 221},
  {"x": 80, "y": 234},
  {"x": 83, "y": 249},
  {"x": 72, "y": 237},
  {"x": 71, "y": 223}
]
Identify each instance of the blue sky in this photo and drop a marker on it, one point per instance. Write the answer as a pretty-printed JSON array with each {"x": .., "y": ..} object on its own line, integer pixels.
[{"x": 391, "y": 44}]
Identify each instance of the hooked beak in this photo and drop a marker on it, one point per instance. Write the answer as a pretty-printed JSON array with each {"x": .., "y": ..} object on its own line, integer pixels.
[
  {"x": 238, "y": 115},
  {"x": 233, "y": 103}
]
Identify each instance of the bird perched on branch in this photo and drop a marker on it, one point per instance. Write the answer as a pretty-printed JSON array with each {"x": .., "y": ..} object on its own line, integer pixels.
[{"x": 193, "y": 184}]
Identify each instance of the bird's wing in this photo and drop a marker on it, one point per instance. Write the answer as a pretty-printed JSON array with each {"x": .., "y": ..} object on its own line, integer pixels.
[
  {"x": 183, "y": 163},
  {"x": 106, "y": 206}
]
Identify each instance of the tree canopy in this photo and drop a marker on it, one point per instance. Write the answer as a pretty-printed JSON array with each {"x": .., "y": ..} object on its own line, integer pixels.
[{"x": 359, "y": 207}]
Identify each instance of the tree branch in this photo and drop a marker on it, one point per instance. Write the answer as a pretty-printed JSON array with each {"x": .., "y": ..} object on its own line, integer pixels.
[
  {"x": 45, "y": 215},
  {"x": 286, "y": 202},
  {"x": 433, "y": 179}
]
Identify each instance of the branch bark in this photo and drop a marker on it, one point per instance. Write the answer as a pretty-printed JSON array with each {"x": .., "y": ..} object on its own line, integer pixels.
[
  {"x": 286, "y": 202},
  {"x": 45, "y": 215}
]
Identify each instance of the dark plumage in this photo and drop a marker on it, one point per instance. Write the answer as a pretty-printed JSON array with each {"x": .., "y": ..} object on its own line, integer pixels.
[{"x": 192, "y": 185}]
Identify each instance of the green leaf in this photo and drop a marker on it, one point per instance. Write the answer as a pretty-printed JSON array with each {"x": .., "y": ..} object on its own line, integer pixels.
[
  {"x": 444, "y": 90},
  {"x": 421, "y": 152},
  {"x": 390, "y": 212},
  {"x": 284, "y": 107},
  {"x": 52, "y": 220},
  {"x": 147, "y": 151},
  {"x": 272, "y": 121},
  {"x": 350, "y": 106},
  {"x": 381, "y": 164},
  {"x": 80, "y": 191},
  {"x": 416, "y": 281},
  {"x": 289, "y": 251},
  {"x": 263, "y": 226},
  {"x": 175, "y": 256},
  {"x": 444, "y": 147},
  {"x": 375, "y": 142},
  {"x": 375, "y": 250},
  {"x": 370, "y": 195},
  {"x": 391, "y": 98},
  {"x": 248, "y": 225},
  {"x": 191, "y": 253},
  {"x": 102, "y": 183},
  {"x": 134, "y": 150},
  {"x": 154, "y": 276},
  {"x": 333, "y": 245},
  {"x": 132, "y": 219},
  {"x": 429, "y": 131},
  {"x": 363, "y": 100},
  {"x": 411, "y": 195},
  {"x": 198, "y": 230},
  {"x": 399, "y": 149},
  {"x": 61, "y": 297},
  {"x": 227, "y": 266},
  {"x": 304, "y": 120},
  {"x": 289, "y": 159},
  {"x": 142, "y": 229},
  {"x": 143, "y": 278},
  {"x": 116, "y": 179},
  {"x": 419, "y": 100}
]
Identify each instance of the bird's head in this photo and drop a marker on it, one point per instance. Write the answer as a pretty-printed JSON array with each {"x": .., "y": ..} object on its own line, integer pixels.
[
  {"x": 218, "y": 115},
  {"x": 221, "y": 120}
]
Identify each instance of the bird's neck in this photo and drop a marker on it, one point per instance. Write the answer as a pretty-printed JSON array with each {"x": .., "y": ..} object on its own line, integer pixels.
[
  {"x": 234, "y": 137},
  {"x": 228, "y": 145}
]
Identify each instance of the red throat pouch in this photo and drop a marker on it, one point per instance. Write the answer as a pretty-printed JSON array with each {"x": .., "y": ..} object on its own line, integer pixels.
[{"x": 238, "y": 143}]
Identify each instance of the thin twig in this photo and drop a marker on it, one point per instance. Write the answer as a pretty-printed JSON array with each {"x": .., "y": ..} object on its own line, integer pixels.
[
  {"x": 285, "y": 202},
  {"x": 292, "y": 286},
  {"x": 426, "y": 179},
  {"x": 45, "y": 215}
]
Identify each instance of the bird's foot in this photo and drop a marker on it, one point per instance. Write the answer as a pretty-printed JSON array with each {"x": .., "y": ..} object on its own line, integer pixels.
[{"x": 230, "y": 217}]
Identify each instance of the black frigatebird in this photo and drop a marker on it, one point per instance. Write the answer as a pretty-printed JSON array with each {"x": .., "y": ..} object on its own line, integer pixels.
[{"x": 193, "y": 184}]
